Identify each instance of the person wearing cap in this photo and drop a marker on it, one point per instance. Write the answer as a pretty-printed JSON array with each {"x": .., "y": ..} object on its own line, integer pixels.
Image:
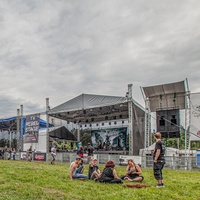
[
  {"x": 158, "y": 159},
  {"x": 76, "y": 170},
  {"x": 109, "y": 174},
  {"x": 133, "y": 172},
  {"x": 93, "y": 171}
]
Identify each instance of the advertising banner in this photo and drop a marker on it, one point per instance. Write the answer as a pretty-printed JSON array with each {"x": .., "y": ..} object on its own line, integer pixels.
[
  {"x": 23, "y": 155},
  {"x": 32, "y": 128},
  {"x": 109, "y": 139},
  {"x": 39, "y": 156}
]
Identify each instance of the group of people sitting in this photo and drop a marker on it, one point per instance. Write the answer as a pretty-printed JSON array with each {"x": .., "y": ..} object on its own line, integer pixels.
[{"x": 108, "y": 175}]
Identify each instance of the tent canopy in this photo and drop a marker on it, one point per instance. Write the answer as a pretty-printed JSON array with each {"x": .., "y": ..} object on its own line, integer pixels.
[
  {"x": 88, "y": 108},
  {"x": 166, "y": 96},
  {"x": 62, "y": 133},
  {"x": 11, "y": 123}
]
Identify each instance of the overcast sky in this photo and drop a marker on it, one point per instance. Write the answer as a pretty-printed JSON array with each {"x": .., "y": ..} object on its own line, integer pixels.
[{"x": 61, "y": 49}]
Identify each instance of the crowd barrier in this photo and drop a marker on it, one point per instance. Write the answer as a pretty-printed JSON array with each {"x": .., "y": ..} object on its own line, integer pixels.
[{"x": 172, "y": 162}]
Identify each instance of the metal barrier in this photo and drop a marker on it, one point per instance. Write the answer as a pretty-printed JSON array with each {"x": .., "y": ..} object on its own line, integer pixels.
[{"x": 171, "y": 162}]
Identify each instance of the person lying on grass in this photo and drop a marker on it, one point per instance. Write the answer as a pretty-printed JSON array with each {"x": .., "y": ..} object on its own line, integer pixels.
[
  {"x": 76, "y": 170},
  {"x": 93, "y": 171},
  {"x": 109, "y": 174},
  {"x": 133, "y": 172}
]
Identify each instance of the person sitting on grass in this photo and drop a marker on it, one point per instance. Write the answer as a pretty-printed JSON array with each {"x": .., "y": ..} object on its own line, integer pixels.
[
  {"x": 109, "y": 174},
  {"x": 76, "y": 170},
  {"x": 133, "y": 172},
  {"x": 93, "y": 171}
]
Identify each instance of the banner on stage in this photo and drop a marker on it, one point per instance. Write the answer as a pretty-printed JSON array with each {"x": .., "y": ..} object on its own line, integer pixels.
[
  {"x": 32, "y": 128},
  {"x": 109, "y": 139}
]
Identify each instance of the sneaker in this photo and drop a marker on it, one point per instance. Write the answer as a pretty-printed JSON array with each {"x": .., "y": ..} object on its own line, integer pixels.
[{"x": 159, "y": 185}]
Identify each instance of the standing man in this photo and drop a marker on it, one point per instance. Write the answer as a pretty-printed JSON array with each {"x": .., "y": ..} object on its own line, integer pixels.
[
  {"x": 29, "y": 154},
  {"x": 53, "y": 154},
  {"x": 90, "y": 151},
  {"x": 158, "y": 159}
]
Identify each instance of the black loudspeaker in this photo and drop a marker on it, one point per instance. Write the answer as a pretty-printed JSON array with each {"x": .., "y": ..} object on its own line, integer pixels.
[{"x": 168, "y": 123}]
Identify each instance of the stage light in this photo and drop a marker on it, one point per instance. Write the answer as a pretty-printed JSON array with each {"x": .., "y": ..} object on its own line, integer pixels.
[
  {"x": 115, "y": 122},
  {"x": 109, "y": 123},
  {"x": 102, "y": 124},
  {"x": 123, "y": 122},
  {"x": 97, "y": 124},
  {"x": 85, "y": 125}
]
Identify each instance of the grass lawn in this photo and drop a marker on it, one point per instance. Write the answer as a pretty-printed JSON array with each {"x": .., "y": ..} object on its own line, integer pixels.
[{"x": 41, "y": 180}]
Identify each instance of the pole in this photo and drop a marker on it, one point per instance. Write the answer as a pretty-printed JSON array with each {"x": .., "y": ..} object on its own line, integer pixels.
[
  {"x": 21, "y": 127},
  {"x": 130, "y": 118},
  {"x": 47, "y": 125},
  {"x": 78, "y": 133},
  {"x": 10, "y": 138},
  {"x": 18, "y": 131}
]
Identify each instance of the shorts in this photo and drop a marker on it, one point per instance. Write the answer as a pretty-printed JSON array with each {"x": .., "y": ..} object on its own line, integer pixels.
[
  {"x": 53, "y": 156},
  {"x": 157, "y": 168}
]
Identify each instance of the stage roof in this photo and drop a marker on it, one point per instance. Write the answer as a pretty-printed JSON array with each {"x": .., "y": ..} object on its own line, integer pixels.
[
  {"x": 166, "y": 96},
  {"x": 90, "y": 108}
]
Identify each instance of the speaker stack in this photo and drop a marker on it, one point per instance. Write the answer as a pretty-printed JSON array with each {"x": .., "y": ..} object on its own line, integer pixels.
[{"x": 168, "y": 123}]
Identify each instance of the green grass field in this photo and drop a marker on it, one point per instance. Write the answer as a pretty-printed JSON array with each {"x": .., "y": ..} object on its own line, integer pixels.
[{"x": 41, "y": 180}]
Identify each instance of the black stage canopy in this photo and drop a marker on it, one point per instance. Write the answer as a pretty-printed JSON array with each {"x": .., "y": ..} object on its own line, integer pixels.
[{"x": 62, "y": 133}]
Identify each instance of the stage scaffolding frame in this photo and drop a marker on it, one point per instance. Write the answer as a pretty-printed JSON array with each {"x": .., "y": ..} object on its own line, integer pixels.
[
  {"x": 187, "y": 119},
  {"x": 147, "y": 124}
]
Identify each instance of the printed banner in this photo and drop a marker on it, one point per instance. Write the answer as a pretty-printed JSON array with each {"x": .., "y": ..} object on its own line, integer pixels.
[
  {"x": 32, "y": 128},
  {"x": 109, "y": 139},
  {"x": 195, "y": 117},
  {"x": 39, "y": 156}
]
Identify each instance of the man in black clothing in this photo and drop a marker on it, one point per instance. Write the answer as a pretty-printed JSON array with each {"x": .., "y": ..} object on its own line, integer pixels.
[
  {"x": 90, "y": 150},
  {"x": 158, "y": 159}
]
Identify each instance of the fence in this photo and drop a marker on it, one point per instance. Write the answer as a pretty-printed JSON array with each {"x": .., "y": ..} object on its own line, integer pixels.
[{"x": 172, "y": 162}]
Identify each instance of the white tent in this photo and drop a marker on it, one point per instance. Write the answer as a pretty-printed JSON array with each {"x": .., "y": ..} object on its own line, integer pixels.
[{"x": 169, "y": 151}]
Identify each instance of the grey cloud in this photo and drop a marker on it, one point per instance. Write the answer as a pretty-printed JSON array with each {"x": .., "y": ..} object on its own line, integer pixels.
[
  {"x": 9, "y": 106},
  {"x": 60, "y": 49}
]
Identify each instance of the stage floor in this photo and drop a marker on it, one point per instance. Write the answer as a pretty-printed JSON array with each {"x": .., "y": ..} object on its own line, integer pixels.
[{"x": 111, "y": 152}]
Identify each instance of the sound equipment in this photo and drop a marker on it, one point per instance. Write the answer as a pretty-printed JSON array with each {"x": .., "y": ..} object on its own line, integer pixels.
[{"x": 168, "y": 123}]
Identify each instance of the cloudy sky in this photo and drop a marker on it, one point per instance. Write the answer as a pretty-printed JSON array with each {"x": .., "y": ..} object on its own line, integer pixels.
[{"x": 61, "y": 49}]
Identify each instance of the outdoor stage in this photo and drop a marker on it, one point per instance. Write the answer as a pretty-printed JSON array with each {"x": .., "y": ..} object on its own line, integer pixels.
[{"x": 111, "y": 152}]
